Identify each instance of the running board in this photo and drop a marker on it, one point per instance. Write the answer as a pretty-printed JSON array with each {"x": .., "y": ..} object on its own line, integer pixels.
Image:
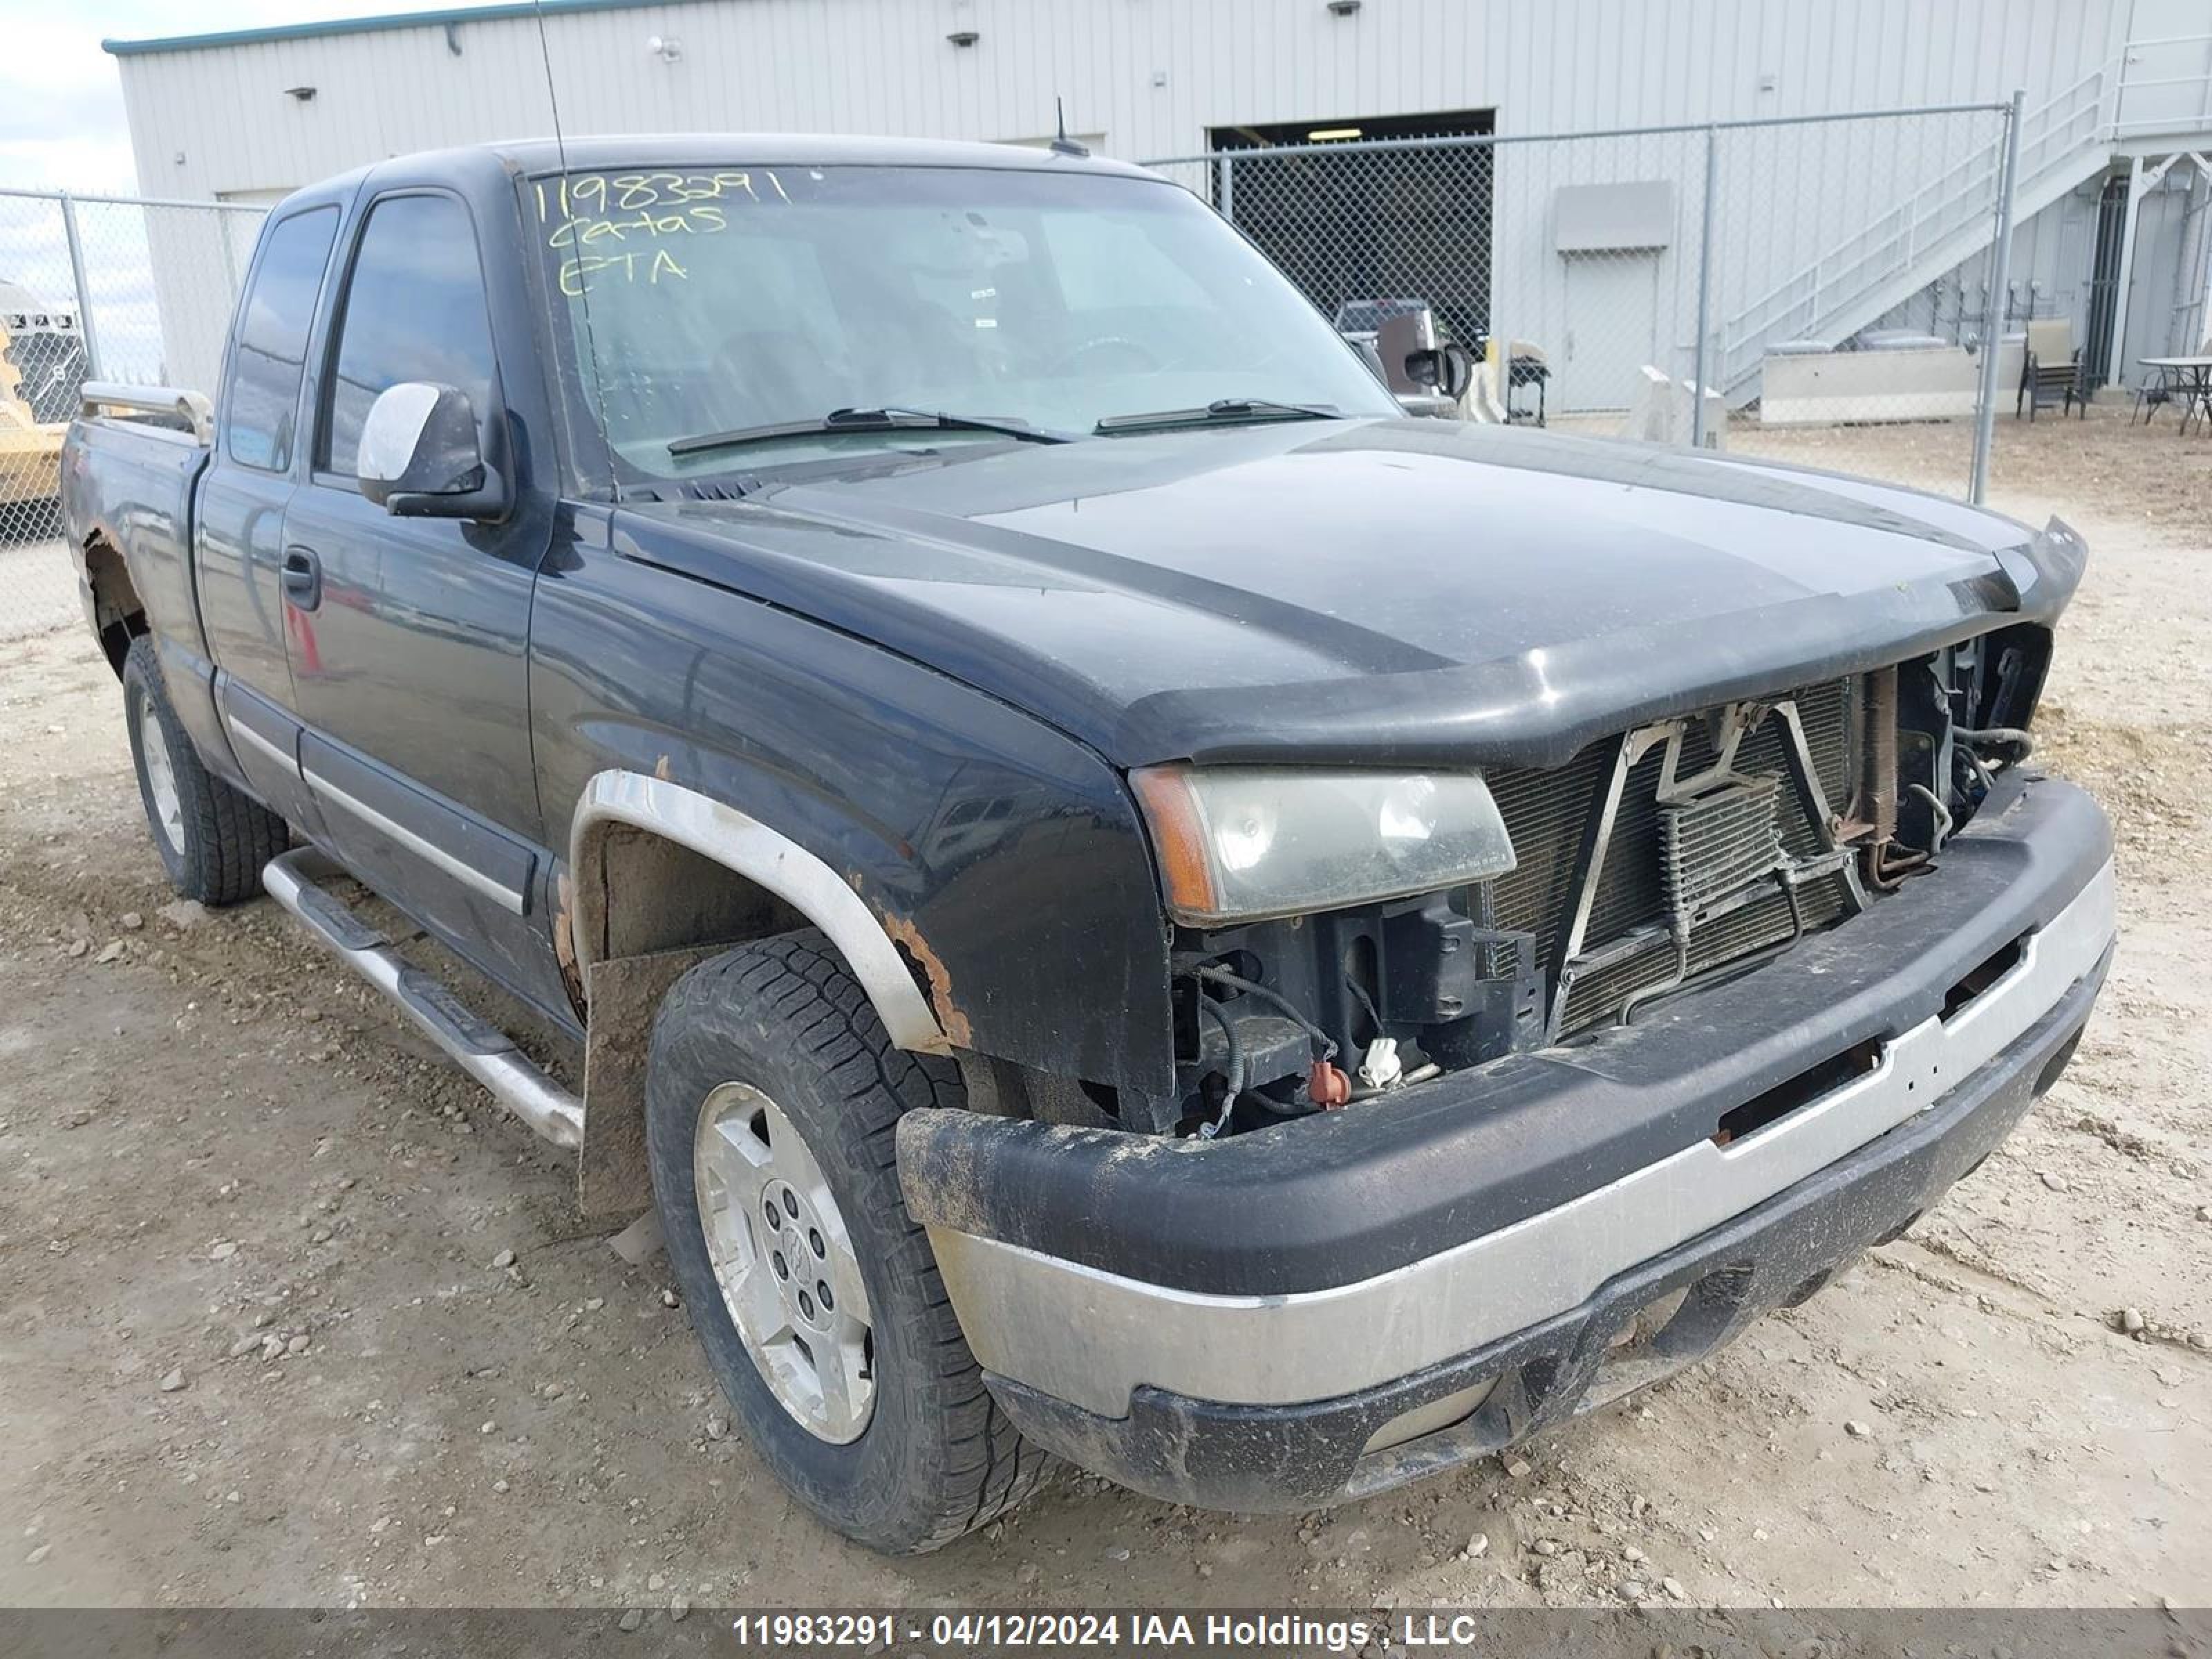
[{"x": 487, "y": 1054}]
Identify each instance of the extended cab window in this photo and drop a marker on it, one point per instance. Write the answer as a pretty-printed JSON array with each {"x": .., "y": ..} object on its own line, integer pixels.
[
  {"x": 414, "y": 311},
  {"x": 272, "y": 340}
]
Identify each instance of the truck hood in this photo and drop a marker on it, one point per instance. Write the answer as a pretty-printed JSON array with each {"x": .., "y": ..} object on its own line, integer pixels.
[{"x": 1405, "y": 592}]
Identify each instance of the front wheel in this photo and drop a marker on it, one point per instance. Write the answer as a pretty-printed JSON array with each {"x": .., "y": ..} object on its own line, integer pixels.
[
  {"x": 773, "y": 1096},
  {"x": 213, "y": 839}
]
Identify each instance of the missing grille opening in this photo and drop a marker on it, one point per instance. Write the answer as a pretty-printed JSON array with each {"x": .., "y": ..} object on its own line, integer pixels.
[
  {"x": 1983, "y": 975},
  {"x": 1550, "y": 812},
  {"x": 1803, "y": 1090}
]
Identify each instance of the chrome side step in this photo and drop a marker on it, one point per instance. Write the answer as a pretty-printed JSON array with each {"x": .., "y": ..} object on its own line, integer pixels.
[{"x": 487, "y": 1054}]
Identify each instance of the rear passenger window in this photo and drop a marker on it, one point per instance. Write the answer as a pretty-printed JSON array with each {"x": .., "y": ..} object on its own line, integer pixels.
[
  {"x": 413, "y": 310},
  {"x": 272, "y": 340}
]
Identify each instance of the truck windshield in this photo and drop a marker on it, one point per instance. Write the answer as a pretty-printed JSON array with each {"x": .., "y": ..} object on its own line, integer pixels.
[{"x": 727, "y": 299}]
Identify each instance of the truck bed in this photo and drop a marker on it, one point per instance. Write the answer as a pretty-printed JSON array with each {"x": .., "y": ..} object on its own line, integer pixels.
[{"x": 127, "y": 486}]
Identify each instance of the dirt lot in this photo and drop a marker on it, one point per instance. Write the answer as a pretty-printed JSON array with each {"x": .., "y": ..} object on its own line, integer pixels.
[
  {"x": 38, "y": 592},
  {"x": 256, "y": 1349}
]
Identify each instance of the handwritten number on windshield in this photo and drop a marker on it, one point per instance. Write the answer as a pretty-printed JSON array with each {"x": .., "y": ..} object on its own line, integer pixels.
[{"x": 596, "y": 218}]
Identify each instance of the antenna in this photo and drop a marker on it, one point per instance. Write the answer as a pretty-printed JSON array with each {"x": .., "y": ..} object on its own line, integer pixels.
[
  {"x": 590, "y": 368},
  {"x": 1061, "y": 143},
  {"x": 552, "y": 97}
]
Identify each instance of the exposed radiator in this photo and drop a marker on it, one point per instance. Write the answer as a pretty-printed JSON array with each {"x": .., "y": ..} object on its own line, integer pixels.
[{"x": 1546, "y": 812}]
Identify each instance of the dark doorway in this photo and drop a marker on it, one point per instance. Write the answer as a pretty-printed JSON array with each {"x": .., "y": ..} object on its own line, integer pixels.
[
  {"x": 2105, "y": 280},
  {"x": 1347, "y": 223},
  {"x": 1438, "y": 124}
]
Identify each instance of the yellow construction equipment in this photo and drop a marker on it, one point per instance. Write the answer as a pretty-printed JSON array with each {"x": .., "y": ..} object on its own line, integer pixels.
[{"x": 30, "y": 449}]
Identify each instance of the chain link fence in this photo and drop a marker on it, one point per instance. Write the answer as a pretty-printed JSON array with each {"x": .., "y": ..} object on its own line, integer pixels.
[
  {"x": 94, "y": 287},
  {"x": 1806, "y": 288}
]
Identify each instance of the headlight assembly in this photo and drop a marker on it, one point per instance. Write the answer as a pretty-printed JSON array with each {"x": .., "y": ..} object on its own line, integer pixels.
[{"x": 1242, "y": 843}]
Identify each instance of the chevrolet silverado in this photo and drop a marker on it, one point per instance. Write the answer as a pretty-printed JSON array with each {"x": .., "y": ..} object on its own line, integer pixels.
[{"x": 1121, "y": 899}]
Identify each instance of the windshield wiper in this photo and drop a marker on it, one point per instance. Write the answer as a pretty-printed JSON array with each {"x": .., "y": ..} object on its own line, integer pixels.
[
  {"x": 865, "y": 419},
  {"x": 1220, "y": 411}
]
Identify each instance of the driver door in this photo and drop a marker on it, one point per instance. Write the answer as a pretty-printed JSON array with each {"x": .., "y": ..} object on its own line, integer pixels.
[{"x": 407, "y": 637}]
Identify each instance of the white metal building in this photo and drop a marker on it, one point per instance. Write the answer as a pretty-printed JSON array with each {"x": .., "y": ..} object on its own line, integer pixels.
[{"x": 2115, "y": 185}]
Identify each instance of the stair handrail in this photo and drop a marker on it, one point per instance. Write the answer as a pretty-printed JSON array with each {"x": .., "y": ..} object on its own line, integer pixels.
[{"x": 2059, "y": 114}]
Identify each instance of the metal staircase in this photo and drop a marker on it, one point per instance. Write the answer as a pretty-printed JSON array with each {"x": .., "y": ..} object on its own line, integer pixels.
[{"x": 1945, "y": 223}]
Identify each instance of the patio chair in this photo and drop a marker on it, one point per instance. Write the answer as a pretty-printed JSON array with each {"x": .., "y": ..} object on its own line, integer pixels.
[
  {"x": 2162, "y": 385},
  {"x": 2153, "y": 392},
  {"x": 2196, "y": 394},
  {"x": 2051, "y": 369}
]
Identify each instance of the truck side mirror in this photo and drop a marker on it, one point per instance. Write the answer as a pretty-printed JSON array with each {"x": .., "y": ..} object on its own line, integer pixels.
[
  {"x": 421, "y": 456},
  {"x": 1448, "y": 370}
]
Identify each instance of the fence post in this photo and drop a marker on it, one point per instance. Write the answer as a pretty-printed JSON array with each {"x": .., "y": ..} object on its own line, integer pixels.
[
  {"x": 1224, "y": 189},
  {"x": 1704, "y": 296},
  {"x": 1985, "y": 417},
  {"x": 83, "y": 288}
]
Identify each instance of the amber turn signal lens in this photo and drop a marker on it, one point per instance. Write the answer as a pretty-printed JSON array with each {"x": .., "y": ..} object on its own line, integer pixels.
[{"x": 1178, "y": 838}]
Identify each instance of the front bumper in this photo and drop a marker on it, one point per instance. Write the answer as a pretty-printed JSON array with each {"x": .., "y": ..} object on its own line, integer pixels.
[{"x": 1346, "y": 1303}]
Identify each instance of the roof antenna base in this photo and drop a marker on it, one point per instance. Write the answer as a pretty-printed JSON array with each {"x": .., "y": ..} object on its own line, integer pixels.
[{"x": 1061, "y": 143}]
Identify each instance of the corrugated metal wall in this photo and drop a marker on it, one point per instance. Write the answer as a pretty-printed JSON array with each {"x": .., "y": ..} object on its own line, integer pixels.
[{"x": 1152, "y": 76}]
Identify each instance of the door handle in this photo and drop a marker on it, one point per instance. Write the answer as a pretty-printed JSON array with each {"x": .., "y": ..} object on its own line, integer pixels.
[{"x": 303, "y": 577}]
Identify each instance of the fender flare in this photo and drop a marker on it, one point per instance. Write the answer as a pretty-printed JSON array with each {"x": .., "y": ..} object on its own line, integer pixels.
[{"x": 748, "y": 847}]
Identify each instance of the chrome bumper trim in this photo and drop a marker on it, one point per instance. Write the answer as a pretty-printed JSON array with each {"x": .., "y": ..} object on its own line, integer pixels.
[{"x": 1091, "y": 1337}]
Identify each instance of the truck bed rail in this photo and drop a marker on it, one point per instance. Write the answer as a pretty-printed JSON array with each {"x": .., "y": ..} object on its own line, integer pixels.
[{"x": 192, "y": 408}]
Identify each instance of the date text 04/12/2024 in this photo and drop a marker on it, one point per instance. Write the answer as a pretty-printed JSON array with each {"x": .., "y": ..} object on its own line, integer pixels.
[{"x": 1231, "y": 1632}]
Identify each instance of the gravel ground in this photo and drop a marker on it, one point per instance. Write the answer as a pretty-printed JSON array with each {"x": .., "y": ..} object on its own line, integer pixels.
[
  {"x": 264, "y": 1344},
  {"x": 37, "y": 586}
]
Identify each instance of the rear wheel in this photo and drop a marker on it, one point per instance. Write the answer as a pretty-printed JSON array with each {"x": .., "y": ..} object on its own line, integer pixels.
[
  {"x": 772, "y": 1100},
  {"x": 213, "y": 839}
]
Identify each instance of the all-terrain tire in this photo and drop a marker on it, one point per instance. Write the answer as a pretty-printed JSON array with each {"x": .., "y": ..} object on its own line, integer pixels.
[
  {"x": 937, "y": 1457},
  {"x": 213, "y": 838}
]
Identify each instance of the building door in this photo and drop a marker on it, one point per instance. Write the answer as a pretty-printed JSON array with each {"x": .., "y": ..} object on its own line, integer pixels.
[
  {"x": 1610, "y": 332},
  {"x": 2105, "y": 280}
]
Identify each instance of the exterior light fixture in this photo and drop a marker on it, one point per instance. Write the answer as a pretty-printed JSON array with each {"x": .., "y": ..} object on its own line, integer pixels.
[
  {"x": 963, "y": 38},
  {"x": 1324, "y": 135},
  {"x": 1342, "y": 8},
  {"x": 300, "y": 94}
]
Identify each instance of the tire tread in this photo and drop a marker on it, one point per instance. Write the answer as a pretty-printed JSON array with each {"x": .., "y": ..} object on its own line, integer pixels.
[
  {"x": 798, "y": 980},
  {"x": 228, "y": 836}
]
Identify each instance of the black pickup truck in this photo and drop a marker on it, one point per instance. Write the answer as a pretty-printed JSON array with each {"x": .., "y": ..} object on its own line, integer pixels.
[{"x": 1121, "y": 899}]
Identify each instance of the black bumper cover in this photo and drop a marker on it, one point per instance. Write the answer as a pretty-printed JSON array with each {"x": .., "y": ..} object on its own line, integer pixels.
[
  {"x": 1296, "y": 1457},
  {"x": 1335, "y": 1200},
  {"x": 1338, "y": 1199}
]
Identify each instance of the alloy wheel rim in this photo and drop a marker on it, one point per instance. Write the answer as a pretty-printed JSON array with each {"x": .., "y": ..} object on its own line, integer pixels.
[
  {"x": 161, "y": 779},
  {"x": 789, "y": 1277}
]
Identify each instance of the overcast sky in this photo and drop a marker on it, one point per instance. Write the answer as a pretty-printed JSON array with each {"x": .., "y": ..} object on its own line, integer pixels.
[{"x": 61, "y": 104}]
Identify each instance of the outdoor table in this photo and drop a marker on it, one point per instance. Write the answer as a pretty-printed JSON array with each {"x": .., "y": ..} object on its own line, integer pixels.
[{"x": 2188, "y": 379}]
